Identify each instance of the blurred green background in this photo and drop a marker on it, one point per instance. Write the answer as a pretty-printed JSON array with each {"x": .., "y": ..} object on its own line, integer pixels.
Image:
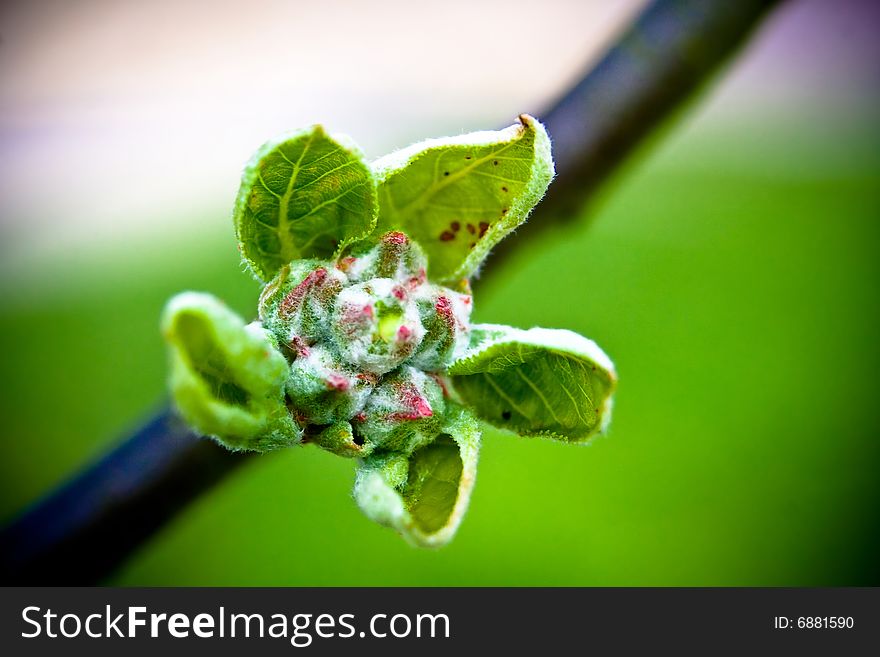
[{"x": 732, "y": 274}]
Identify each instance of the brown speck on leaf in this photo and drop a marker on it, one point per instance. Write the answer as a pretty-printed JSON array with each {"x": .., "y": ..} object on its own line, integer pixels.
[
  {"x": 455, "y": 226},
  {"x": 506, "y": 415},
  {"x": 483, "y": 228},
  {"x": 495, "y": 163},
  {"x": 446, "y": 236},
  {"x": 504, "y": 211},
  {"x": 445, "y": 173},
  {"x": 504, "y": 189},
  {"x": 473, "y": 244},
  {"x": 471, "y": 229}
]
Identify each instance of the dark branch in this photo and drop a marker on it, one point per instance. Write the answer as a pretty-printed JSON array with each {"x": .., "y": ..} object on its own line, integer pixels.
[
  {"x": 82, "y": 531},
  {"x": 85, "y": 529},
  {"x": 671, "y": 50}
]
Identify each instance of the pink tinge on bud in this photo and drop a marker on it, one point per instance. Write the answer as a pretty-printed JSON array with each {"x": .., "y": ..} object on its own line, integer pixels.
[
  {"x": 294, "y": 298},
  {"x": 337, "y": 382},
  {"x": 444, "y": 310},
  {"x": 396, "y": 238},
  {"x": 360, "y": 417},
  {"x": 440, "y": 382},
  {"x": 403, "y": 334},
  {"x": 392, "y": 252},
  {"x": 398, "y": 292},
  {"x": 423, "y": 408},
  {"x": 298, "y": 345},
  {"x": 412, "y": 399},
  {"x": 416, "y": 281},
  {"x": 355, "y": 315},
  {"x": 346, "y": 263}
]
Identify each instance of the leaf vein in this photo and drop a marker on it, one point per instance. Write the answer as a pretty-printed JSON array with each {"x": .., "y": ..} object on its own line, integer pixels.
[
  {"x": 505, "y": 396},
  {"x": 538, "y": 392}
]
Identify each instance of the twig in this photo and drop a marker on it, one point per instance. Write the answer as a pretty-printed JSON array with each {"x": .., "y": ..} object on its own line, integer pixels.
[
  {"x": 668, "y": 53},
  {"x": 82, "y": 531}
]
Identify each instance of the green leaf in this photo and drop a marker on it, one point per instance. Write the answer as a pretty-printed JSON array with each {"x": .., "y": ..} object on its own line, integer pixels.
[
  {"x": 423, "y": 495},
  {"x": 540, "y": 382},
  {"x": 227, "y": 379},
  {"x": 306, "y": 195},
  {"x": 460, "y": 196}
]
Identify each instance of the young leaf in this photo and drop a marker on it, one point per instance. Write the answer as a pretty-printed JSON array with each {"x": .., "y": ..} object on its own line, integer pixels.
[
  {"x": 304, "y": 196},
  {"x": 540, "y": 382},
  {"x": 460, "y": 196},
  {"x": 339, "y": 439},
  {"x": 425, "y": 494},
  {"x": 227, "y": 379}
]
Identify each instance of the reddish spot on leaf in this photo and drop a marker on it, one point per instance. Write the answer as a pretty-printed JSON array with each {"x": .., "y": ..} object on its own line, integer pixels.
[
  {"x": 471, "y": 229},
  {"x": 483, "y": 228},
  {"x": 455, "y": 226},
  {"x": 447, "y": 236}
]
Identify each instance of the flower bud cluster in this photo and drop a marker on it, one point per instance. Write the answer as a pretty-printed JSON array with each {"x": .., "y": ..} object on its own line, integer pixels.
[{"x": 367, "y": 337}]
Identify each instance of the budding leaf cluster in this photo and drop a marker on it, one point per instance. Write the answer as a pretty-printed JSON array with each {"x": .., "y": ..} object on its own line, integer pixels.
[{"x": 363, "y": 344}]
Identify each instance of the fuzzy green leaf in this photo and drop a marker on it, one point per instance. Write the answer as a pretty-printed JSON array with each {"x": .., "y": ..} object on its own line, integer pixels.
[
  {"x": 303, "y": 196},
  {"x": 423, "y": 495},
  {"x": 540, "y": 382},
  {"x": 227, "y": 379},
  {"x": 458, "y": 197}
]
